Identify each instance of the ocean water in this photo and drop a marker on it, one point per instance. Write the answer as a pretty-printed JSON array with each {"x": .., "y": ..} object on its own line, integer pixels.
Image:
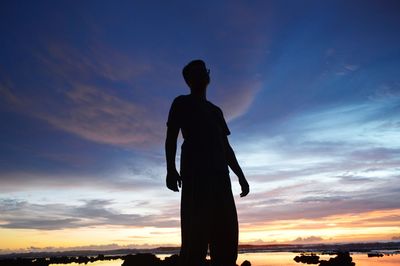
[{"x": 275, "y": 259}]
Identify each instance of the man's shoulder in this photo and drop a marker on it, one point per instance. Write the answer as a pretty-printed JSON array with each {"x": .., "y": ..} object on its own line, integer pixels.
[
  {"x": 214, "y": 106},
  {"x": 181, "y": 99}
]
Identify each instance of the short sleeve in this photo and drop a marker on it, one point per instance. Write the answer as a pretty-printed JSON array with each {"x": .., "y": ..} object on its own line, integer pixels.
[
  {"x": 223, "y": 123},
  {"x": 175, "y": 115}
]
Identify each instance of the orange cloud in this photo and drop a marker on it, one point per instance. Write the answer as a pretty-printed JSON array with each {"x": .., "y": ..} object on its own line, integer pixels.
[
  {"x": 98, "y": 116},
  {"x": 237, "y": 98}
]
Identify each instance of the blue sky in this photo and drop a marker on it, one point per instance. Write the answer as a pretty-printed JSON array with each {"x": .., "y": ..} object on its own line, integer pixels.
[{"x": 310, "y": 90}]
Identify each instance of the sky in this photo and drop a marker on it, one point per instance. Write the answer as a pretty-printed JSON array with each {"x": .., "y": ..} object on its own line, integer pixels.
[{"x": 310, "y": 91}]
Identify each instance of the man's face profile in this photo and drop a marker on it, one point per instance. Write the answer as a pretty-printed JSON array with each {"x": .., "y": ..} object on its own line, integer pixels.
[{"x": 197, "y": 75}]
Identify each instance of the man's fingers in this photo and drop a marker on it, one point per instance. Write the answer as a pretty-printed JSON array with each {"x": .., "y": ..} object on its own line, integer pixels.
[
  {"x": 245, "y": 191},
  {"x": 173, "y": 188},
  {"x": 173, "y": 181},
  {"x": 171, "y": 184}
]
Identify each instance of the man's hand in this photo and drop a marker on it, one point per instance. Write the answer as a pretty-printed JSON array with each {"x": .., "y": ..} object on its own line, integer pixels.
[
  {"x": 174, "y": 180},
  {"x": 245, "y": 187}
]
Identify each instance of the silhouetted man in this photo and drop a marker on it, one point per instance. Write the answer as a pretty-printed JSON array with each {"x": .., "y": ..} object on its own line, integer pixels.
[{"x": 208, "y": 212}]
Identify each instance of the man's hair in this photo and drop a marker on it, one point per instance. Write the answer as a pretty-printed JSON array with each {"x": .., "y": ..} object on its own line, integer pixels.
[{"x": 193, "y": 69}]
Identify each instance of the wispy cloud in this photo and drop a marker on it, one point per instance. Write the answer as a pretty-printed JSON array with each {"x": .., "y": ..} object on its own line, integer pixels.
[
  {"x": 76, "y": 104},
  {"x": 351, "y": 67},
  {"x": 316, "y": 200},
  {"x": 23, "y": 215},
  {"x": 125, "y": 180},
  {"x": 66, "y": 61},
  {"x": 98, "y": 116},
  {"x": 8, "y": 96},
  {"x": 237, "y": 98},
  {"x": 308, "y": 239}
]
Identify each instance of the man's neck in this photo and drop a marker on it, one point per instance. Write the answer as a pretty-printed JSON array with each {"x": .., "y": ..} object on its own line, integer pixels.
[{"x": 201, "y": 94}]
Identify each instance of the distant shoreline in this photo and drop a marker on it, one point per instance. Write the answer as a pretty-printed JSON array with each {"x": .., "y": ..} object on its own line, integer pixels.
[{"x": 382, "y": 247}]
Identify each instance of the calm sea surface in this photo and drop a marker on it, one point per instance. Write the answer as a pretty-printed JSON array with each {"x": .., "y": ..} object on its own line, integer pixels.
[{"x": 275, "y": 259}]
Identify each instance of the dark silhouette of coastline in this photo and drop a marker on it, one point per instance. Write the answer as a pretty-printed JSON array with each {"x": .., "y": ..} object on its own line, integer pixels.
[
  {"x": 45, "y": 261},
  {"x": 152, "y": 260},
  {"x": 330, "y": 249},
  {"x": 141, "y": 259}
]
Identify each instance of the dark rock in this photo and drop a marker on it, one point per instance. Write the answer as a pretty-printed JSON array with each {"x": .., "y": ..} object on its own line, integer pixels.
[
  {"x": 246, "y": 263},
  {"x": 375, "y": 254},
  {"x": 171, "y": 261},
  {"x": 342, "y": 259},
  {"x": 141, "y": 259},
  {"x": 309, "y": 259}
]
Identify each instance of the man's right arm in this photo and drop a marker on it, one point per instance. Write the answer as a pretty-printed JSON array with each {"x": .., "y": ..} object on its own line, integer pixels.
[
  {"x": 173, "y": 177},
  {"x": 234, "y": 165}
]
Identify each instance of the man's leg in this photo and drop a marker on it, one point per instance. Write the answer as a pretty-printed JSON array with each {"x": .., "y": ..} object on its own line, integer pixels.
[
  {"x": 224, "y": 230},
  {"x": 194, "y": 227}
]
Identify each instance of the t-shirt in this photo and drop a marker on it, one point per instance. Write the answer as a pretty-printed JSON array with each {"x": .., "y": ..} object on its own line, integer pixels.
[{"x": 203, "y": 129}]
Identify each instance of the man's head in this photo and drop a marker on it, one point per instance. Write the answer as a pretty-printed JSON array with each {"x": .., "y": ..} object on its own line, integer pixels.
[{"x": 196, "y": 75}]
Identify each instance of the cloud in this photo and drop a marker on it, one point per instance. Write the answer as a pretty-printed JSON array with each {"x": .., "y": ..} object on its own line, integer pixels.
[
  {"x": 8, "y": 96},
  {"x": 41, "y": 224},
  {"x": 283, "y": 159},
  {"x": 347, "y": 69},
  {"x": 316, "y": 200},
  {"x": 96, "y": 115},
  {"x": 388, "y": 91},
  {"x": 347, "y": 141},
  {"x": 99, "y": 93},
  {"x": 19, "y": 214},
  {"x": 85, "y": 168},
  {"x": 351, "y": 67},
  {"x": 310, "y": 239},
  {"x": 259, "y": 242},
  {"x": 31, "y": 180},
  {"x": 321, "y": 199},
  {"x": 127, "y": 109},
  {"x": 65, "y": 61},
  {"x": 75, "y": 104},
  {"x": 324, "y": 162},
  {"x": 237, "y": 98},
  {"x": 352, "y": 179}
]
